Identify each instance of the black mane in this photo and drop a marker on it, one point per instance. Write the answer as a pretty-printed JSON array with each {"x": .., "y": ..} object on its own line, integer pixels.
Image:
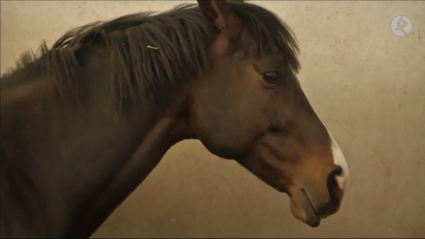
[{"x": 153, "y": 55}]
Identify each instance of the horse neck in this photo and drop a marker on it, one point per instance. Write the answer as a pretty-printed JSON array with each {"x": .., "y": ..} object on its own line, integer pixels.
[{"x": 79, "y": 163}]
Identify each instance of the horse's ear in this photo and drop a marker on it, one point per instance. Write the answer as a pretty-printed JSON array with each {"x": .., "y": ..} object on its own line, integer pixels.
[{"x": 221, "y": 15}]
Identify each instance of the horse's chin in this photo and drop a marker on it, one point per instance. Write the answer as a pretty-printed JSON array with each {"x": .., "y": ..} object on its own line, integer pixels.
[{"x": 305, "y": 210}]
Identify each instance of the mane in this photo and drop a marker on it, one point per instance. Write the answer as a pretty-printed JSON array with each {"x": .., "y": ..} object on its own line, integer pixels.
[{"x": 153, "y": 55}]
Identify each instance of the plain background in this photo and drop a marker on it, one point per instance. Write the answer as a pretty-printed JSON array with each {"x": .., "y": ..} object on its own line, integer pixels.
[{"x": 366, "y": 83}]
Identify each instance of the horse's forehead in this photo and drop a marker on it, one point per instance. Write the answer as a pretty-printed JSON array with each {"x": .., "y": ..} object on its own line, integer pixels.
[{"x": 219, "y": 46}]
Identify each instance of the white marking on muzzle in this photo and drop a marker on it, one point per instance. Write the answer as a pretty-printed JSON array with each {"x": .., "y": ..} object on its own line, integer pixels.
[{"x": 339, "y": 160}]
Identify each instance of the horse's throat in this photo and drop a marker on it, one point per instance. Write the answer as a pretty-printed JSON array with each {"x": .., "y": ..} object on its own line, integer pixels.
[{"x": 164, "y": 134}]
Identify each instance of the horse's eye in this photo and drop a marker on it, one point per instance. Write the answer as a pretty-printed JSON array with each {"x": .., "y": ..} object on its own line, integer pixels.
[{"x": 271, "y": 76}]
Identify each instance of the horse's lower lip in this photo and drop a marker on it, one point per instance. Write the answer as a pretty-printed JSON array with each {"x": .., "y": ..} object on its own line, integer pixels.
[{"x": 312, "y": 219}]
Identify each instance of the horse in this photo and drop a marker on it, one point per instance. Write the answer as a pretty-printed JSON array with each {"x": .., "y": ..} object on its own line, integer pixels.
[{"x": 85, "y": 121}]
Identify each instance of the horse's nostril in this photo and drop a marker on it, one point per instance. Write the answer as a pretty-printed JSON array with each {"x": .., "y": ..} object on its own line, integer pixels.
[
  {"x": 335, "y": 193},
  {"x": 341, "y": 181},
  {"x": 340, "y": 178},
  {"x": 334, "y": 185},
  {"x": 337, "y": 171}
]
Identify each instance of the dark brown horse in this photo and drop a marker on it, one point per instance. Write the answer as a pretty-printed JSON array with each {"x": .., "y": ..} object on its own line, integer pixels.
[{"x": 85, "y": 122}]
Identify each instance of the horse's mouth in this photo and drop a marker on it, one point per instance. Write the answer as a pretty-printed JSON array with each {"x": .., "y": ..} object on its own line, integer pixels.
[{"x": 312, "y": 219}]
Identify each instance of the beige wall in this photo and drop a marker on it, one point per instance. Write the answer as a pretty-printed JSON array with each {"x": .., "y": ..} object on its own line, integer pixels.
[{"x": 366, "y": 83}]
